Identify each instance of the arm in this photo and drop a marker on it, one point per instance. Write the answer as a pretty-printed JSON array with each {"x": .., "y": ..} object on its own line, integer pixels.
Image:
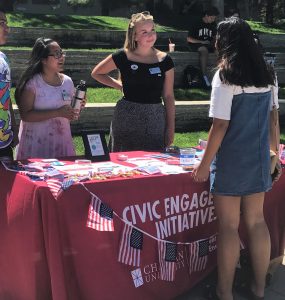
[
  {"x": 216, "y": 136},
  {"x": 29, "y": 114},
  {"x": 274, "y": 132},
  {"x": 14, "y": 126},
  {"x": 275, "y": 141},
  {"x": 274, "y": 119},
  {"x": 169, "y": 102},
  {"x": 101, "y": 71},
  {"x": 192, "y": 40}
]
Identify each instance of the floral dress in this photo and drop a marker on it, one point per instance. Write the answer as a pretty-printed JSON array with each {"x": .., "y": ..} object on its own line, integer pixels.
[{"x": 50, "y": 138}]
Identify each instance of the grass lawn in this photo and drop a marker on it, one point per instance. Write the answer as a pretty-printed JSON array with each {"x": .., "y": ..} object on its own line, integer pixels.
[
  {"x": 73, "y": 22},
  {"x": 181, "y": 140},
  {"x": 265, "y": 28},
  {"x": 106, "y": 23},
  {"x": 109, "y": 95}
]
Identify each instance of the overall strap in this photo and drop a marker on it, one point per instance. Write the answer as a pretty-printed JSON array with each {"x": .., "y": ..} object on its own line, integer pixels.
[{"x": 274, "y": 122}]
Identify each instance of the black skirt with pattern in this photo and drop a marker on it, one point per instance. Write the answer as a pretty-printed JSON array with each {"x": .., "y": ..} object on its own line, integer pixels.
[{"x": 137, "y": 126}]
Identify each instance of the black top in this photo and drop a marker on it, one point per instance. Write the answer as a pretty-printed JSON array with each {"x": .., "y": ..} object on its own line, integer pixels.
[
  {"x": 203, "y": 31},
  {"x": 142, "y": 83}
]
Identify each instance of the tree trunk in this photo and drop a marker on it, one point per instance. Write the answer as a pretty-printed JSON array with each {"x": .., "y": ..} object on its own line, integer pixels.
[
  {"x": 220, "y": 6},
  {"x": 246, "y": 9},
  {"x": 269, "y": 18},
  {"x": 7, "y": 4}
]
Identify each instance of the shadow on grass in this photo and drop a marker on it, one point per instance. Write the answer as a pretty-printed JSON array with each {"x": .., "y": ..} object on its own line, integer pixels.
[
  {"x": 191, "y": 94},
  {"x": 73, "y": 22},
  {"x": 59, "y": 21}
]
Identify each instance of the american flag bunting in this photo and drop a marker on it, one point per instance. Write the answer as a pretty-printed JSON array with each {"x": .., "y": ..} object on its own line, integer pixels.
[
  {"x": 54, "y": 185},
  {"x": 100, "y": 216},
  {"x": 167, "y": 253},
  {"x": 198, "y": 255},
  {"x": 130, "y": 246},
  {"x": 67, "y": 183}
]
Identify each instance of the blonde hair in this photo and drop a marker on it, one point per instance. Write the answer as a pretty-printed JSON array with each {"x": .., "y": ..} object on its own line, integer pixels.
[{"x": 130, "y": 42}]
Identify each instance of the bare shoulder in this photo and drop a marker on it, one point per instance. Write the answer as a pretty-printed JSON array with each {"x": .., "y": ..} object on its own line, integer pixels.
[{"x": 160, "y": 55}]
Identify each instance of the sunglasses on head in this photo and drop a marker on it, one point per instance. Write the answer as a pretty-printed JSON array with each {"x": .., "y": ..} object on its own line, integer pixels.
[
  {"x": 58, "y": 54},
  {"x": 145, "y": 13}
]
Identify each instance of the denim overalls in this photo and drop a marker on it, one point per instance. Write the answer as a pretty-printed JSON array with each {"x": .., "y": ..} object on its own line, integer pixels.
[{"x": 242, "y": 164}]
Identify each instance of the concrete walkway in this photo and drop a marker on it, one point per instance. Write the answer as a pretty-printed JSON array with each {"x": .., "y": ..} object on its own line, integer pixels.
[{"x": 275, "y": 291}]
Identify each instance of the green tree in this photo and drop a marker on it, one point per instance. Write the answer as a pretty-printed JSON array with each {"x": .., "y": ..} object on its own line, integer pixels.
[{"x": 77, "y": 3}]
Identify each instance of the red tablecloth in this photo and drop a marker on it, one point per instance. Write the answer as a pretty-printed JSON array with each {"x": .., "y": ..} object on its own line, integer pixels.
[{"x": 47, "y": 252}]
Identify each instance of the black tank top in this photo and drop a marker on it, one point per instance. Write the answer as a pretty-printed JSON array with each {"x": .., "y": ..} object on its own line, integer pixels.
[{"x": 142, "y": 83}]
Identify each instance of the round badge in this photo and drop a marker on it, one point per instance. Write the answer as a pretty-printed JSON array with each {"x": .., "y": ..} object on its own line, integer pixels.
[{"x": 134, "y": 67}]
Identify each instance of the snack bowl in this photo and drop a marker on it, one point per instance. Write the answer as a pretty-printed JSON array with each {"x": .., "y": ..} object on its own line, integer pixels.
[
  {"x": 188, "y": 168},
  {"x": 122, "y": 157}
]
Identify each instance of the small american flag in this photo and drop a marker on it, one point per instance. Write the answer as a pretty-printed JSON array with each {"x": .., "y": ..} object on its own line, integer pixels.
[
  {"x": 131, "y": 246},
  {"x": 198, "y": 255},
  {"x": 54, "y": 185},
  {"x": 67, "y": 183},
  {"x": 100, "y": 216},
  {"x": 167, "y": 253}
]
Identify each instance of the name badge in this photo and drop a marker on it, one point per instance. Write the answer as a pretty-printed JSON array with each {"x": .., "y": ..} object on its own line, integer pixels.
[
  {"x": 65, "y": 95},
  {"x": 155, "y": 70}
]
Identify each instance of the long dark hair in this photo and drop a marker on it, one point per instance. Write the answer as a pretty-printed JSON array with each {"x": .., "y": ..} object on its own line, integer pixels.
[
  {"x": 40, "y": 51},
  {"x": 240, "y": 60}
]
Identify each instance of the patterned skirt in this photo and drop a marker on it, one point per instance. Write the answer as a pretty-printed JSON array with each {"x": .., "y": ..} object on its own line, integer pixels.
[{"x": 137, "y": 126}]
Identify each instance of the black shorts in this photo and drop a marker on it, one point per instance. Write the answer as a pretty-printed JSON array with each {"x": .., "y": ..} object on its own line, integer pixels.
[
  {"x": 195, "y": 47},
  {"x": 8, "y": 151}
]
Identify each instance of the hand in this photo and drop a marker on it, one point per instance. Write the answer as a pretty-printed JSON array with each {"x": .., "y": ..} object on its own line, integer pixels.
[
  {"x": 67, "y": 112},
  {"x": 83, "y": 103},
  {"x": 277, "y": 172},
  {"x": 169, "y": 137},
  {"x": 200, "y": 173}
]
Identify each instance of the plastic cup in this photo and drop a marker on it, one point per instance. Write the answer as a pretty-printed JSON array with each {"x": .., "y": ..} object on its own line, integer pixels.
[
  {"x": 171, "y": 47},
  {"x": 187, "y": 156},
  {"x": 202, "y": 144}
]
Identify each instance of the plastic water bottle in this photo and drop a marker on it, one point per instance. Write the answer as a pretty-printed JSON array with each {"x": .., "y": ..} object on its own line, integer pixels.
[
  {"x": 80, "y": 92},
  {"x": 187, "y": 156}
]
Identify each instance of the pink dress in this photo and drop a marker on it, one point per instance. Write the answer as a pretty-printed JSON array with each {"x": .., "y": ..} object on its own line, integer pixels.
[{"x": 50, "y": 138}]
